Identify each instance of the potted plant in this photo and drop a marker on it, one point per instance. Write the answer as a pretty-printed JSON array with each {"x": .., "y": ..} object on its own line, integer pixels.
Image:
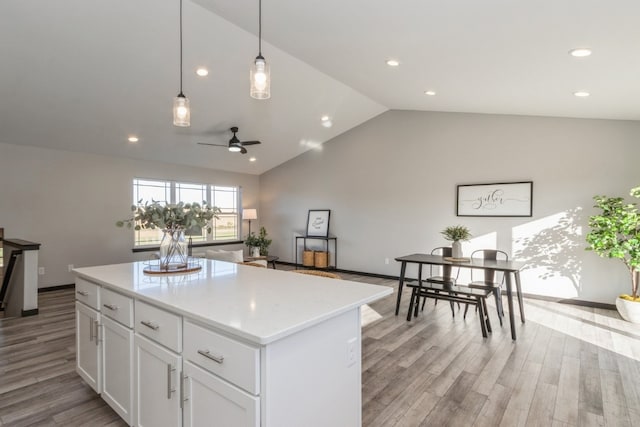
[
  {"x": 455, "y": 234},
  {"x": 173, "y": 220},
  {"x": 615, "y": 233},
  {"x": 259, "y": 243}
]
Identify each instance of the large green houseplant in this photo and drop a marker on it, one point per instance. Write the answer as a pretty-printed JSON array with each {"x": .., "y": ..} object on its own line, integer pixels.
[{"x": 615, "y": 233}]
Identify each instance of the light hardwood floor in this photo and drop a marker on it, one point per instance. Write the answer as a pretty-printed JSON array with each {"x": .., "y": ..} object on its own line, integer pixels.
[{"x": 571, "y": 366}]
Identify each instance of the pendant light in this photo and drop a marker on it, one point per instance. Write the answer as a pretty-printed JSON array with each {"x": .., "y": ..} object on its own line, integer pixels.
[
  {"x": 259, "y": 75},
  {"x": 181, "y": 110}
]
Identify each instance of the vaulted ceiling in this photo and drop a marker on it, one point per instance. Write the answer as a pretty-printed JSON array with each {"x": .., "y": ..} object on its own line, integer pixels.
[{"x": 83, "y": 75}]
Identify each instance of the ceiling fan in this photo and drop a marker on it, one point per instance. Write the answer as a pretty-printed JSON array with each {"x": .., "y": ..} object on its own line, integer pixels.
[{"x": 235, "y": 145}]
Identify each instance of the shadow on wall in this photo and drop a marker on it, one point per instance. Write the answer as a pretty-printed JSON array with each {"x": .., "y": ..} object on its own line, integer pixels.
[{"x": 552, "y": 248}]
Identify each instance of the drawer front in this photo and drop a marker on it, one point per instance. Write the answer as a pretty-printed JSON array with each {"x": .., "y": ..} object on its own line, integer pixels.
[
  {"x": 159, "y": 325},
  {"x": 236, "y": 362},
  {"x": 88, "y": 293},
  {"x": 117, "y": 307}
]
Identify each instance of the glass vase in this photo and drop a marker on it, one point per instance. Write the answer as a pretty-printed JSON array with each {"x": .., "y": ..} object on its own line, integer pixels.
[{"x": 173, "y": 250}]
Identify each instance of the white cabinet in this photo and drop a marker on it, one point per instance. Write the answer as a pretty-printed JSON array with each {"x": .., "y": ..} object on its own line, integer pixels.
[
  {"x": 212, "y": 402},
  {"x": 157, "y": 385},
  {"x": 88, "y": 349},
  {"x": 117, "y": 357}
]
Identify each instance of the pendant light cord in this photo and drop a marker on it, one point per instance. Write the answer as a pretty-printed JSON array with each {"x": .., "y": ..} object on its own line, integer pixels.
[
  {"x": 259, "y": 27},
  {"x": 181, "y": 48}
]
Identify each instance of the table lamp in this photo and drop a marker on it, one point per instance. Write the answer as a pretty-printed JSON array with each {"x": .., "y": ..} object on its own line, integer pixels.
[{"x": 249, "y": 214}]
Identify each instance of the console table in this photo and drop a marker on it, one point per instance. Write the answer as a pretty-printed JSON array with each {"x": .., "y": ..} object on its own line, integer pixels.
[{"x": 327, "y": 240}]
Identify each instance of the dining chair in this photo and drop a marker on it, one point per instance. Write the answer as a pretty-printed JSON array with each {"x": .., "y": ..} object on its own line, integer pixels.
[
  {"x": 441, "y": 274},
  {"x": 492, "y": 281}
]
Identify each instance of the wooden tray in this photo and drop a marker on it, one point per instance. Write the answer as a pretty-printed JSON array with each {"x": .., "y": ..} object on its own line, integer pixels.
[{"x": 155, "y": 269}]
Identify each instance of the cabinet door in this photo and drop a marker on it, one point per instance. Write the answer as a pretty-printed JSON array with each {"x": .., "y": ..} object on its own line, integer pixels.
[
  {"x": 212, "y": 402},
  {"x": 157, "y": 385},
  {"x": 117, "y": 378},
  {"x": 88, "y": 350}
]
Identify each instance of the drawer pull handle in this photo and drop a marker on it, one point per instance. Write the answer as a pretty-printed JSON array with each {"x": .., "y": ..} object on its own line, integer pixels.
[
  {"x": 83, "y": 293},
  {"x": 111, "y": 306},
  {"x": 150, "y": 325},
  {"x": 208, "y": 355}
]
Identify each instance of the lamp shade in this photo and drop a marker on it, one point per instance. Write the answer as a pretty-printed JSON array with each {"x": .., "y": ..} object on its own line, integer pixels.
[{"x": 249, "y": 214}]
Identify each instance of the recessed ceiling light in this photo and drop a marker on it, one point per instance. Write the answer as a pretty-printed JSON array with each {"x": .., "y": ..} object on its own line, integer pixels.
[
  {"x": 580, "y": 52},
  {"x": 326, "y": 121},
  {"x": 133, "y": 138},
  {"x": 429, "y": 92},
  {"x": 202, "y": 72},
  {"x": 252, "y": 159},
  {"x": 324, "y": 118},
  {"x": 393, "y": 62},
  {"x": 581, "y": 94}
]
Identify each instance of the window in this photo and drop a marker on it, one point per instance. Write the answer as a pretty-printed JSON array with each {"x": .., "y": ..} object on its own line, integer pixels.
[{"x": 226, "y": 228}]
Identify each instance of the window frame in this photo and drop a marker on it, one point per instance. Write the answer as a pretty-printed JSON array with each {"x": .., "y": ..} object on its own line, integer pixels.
[{"x": 172, "y": 188}]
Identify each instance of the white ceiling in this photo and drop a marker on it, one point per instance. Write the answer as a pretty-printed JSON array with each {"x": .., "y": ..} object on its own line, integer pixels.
[{"x": 82, "y": 75}]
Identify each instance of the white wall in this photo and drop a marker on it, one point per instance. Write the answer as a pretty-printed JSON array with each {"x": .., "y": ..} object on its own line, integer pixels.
[
  {"x": 69, "y": 203},
  {"x": 391, "y": 183}
]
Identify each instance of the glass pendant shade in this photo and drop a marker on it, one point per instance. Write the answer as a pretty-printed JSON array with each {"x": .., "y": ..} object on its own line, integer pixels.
[
  {"x": 181, "y": 111},
  {"x": 260, "y": 79}
]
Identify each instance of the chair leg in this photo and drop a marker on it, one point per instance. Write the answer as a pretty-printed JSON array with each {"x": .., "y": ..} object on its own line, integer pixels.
[
  {"x": 498, "y": 296},
  {"x": 423, "y": 303},
  {"x": 453, "y": 312},
  {"x": 466, "y": 308},
  {"x": 483, "y": 327},
  {"x": 411, "y": 302},
  {"x": 486, "y": 314}
]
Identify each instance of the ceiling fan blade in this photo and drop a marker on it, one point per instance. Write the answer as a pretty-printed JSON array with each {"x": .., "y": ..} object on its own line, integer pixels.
[
  {"x": 214, "y": 145},
  {"x": 250, "y": 142},
  {"x": 243, "y": 150}
]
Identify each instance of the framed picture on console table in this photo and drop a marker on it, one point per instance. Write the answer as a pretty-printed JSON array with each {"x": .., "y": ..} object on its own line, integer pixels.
[
  {"x": 497, "y": 199},
  {"x": 318, "y": 222}
]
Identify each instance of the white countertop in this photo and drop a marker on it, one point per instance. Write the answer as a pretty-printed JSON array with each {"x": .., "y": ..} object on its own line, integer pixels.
[{"x": 260, "y": 305}]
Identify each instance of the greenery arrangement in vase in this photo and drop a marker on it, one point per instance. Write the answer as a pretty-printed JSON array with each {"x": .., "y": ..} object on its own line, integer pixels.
[
  {"x": 173, "y": 220},
  {"x": 260, "y": 241},
  {"x": 455, "y": 234},
  {"x": 615, "y": 233}
]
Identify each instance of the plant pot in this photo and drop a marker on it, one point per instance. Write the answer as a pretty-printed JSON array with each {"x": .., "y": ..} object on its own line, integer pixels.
[
  {"x": 456, "y": 249},
  {"x": 629, "y": 310},
  {"x": 255, "y": 251}
]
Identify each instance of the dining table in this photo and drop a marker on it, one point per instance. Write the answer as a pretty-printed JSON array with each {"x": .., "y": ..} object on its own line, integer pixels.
[{"x": 510, "y": 268}]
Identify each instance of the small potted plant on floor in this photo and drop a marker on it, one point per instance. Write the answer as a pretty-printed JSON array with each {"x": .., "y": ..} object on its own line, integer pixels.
[
  {"x": 455, "y": 234},
  {"x": 615, "y": 233}
]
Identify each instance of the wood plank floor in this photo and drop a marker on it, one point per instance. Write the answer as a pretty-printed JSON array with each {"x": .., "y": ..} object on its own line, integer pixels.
[{"x": 571, "y": 366}]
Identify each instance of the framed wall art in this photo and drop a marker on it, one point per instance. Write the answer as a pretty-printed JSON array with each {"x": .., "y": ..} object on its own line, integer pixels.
[
  {"x": 498, "y": 199},
  {"x": 318, "y": 222}
]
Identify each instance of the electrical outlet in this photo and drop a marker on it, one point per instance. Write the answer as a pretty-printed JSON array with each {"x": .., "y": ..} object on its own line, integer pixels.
[
  {"x": 351, "y": 351},
  {"x": 386, "y": 261},
  {"x": 41, "y": 271},
  {"x": 70, "y": 267}
]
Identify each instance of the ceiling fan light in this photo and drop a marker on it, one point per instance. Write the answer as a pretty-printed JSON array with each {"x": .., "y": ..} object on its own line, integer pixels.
[
  {"x": 260, "y": 77},
  {"x": 181, "y": 111},
  {"x": 234, "y": 149}
]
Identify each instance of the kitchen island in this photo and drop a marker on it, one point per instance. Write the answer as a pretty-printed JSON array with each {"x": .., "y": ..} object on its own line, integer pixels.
[{"x": 227, "y": 345}]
